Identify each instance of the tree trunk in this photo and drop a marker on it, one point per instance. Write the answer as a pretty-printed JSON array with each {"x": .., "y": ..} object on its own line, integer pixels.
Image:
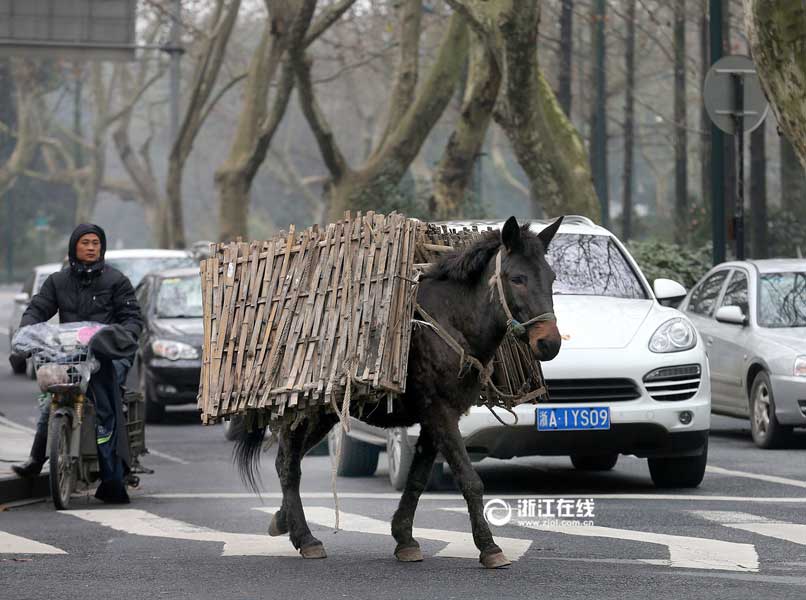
[
  {"x": 566, "y": 51},
  {"x": 728, "y": 141},
  {"x": 705, "y": 121},
  {"x": 758, "y": 193},
  {"x": 793, "y": 181},
  {"x": 598, "y": 142},
  {"x": 777, "y": 33},
  {"x": 28, "y": 126},
  {"x": 629, "y": 122},
  {"x": 680, "y": 124},
  {"x": 455, "y": 170}
]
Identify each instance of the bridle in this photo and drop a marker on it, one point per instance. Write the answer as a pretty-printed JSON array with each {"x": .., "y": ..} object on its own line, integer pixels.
[{"x": 514, "y": 327}]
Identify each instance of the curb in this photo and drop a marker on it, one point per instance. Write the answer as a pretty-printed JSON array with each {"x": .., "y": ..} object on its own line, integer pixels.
[{"x": 13, "y": 489}]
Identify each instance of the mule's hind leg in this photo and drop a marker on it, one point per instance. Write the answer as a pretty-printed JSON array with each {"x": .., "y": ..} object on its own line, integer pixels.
[
  {"x": 292, "y": 447},
  {"x": 408, "y": 550},
  {"x": 453, "y": 449}
]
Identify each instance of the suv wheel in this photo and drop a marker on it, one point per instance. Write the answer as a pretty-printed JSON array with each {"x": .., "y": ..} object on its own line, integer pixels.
[
  {"x": 678, "y": 471},
  {"x": 602, "y": 462},
  {"x": 155, "y": 411},
  {"x": 400, "y": 454},
  {"x": 767, "y": 431},
  {"x": 352, "y": 458}
]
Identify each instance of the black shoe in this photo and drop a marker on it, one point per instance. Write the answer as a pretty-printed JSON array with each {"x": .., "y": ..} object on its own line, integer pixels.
[
  {"x": 29, "y": 468},
  {"x": 112, "y": 492}
]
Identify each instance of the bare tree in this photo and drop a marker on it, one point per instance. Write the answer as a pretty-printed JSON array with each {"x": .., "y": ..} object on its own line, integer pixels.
[
  {"x": 365, "y": 187},
  {"x": 546, "y": 144},
  {"x": 28, "y": 129},
  {"x": 565, "y": 55},
  {"x": 207, "y": 67},
  {"x": 629, "y": 125}
]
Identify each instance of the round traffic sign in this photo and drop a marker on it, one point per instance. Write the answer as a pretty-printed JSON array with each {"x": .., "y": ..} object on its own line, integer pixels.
[{"x": 720, "y": 97}]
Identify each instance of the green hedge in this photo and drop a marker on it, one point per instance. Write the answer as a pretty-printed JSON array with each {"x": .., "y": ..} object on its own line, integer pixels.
[{"x": 665, "y": 259}]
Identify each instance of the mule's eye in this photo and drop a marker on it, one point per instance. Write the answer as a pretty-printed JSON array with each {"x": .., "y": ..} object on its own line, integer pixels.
[{"x": 518, "y": 279}]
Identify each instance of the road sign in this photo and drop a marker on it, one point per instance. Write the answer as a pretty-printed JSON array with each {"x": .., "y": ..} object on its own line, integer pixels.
[
  {"x": 721, "y": 96},
  {"x": 97, "y": 29}
]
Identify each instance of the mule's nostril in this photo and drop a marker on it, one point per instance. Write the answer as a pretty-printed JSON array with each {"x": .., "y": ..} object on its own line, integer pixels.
[{"x": 547, "y": 348}]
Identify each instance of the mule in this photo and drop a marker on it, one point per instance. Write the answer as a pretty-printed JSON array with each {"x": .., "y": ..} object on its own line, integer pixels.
[{"x": 462, "y": 292}]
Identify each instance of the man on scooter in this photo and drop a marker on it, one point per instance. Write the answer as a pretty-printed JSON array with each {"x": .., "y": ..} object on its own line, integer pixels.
[{"x": 89, "y": 290}]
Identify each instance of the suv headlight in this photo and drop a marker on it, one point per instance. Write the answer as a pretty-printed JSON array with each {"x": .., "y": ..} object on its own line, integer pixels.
[
  {"x": 800, "y": 366},
  {"x": 173, "y": 350},
  {"x": 675, "y": 335}
]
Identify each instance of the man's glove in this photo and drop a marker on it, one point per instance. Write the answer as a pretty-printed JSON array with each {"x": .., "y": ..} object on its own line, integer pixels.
[{"x": 17, "y": 362}]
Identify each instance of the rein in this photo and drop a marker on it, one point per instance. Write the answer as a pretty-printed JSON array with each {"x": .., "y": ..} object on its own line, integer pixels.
[{"x": 514, "y": 329}]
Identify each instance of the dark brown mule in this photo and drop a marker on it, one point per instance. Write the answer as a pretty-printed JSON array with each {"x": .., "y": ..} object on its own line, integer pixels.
[{"x": 461, "y": 293}]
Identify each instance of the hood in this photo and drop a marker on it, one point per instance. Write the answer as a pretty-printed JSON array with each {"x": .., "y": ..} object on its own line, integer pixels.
[
  {"x": 793, "y": 338},
  {"x": 77, "y": 267},
  {"x": 591, "y": 322},
  {"x": 190, "y": 331}
]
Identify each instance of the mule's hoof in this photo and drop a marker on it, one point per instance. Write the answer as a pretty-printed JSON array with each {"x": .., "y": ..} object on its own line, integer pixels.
[
  {"x": 497, "y": 560},
  {"x": 313, "y": 551},
  {"x": 274, "y": 526},
  {"x": 409, "y": 554}
]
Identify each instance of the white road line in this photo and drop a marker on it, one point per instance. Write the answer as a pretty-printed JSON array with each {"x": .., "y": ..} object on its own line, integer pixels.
[
  {"x": 684, "y": 552},
  {"x": 13, "y": 425},
  {"x": 759, "y": 476},
  {"x": 459, "y": 543},
  {"x": 791, "y": 532},
  {"x": 14, "y": 544},
  {"x": 140, "y": 522},
  {"x": 167, "y": 457},
  {"x": 455, "y": 497}
]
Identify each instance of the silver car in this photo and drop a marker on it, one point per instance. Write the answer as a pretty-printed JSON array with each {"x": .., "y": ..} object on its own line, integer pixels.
[{"x": 752, "y": 318}]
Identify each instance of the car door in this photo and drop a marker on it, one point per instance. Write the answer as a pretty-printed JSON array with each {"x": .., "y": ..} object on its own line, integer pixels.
[
  {"x": 728, "y": 354},
  {"x": 700, "y": 310}
]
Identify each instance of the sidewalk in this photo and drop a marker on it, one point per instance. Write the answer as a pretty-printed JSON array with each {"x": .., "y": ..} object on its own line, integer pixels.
[{"x": 15, "y": 443}]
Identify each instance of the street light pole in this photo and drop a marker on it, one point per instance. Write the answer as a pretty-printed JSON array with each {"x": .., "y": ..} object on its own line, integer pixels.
[{"x": 717, "y": 148}]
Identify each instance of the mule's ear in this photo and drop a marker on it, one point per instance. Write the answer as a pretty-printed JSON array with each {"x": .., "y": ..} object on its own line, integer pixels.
[
  {"x": 547, "y": 234},
  {"x": 511, "y": 235}
]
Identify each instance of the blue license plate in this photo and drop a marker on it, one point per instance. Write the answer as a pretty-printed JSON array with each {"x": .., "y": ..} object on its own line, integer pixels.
[{"x": 568, "y": 418}]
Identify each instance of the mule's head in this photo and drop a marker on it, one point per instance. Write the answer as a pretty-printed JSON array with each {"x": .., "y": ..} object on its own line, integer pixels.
[{"x": 527, "y": 280}]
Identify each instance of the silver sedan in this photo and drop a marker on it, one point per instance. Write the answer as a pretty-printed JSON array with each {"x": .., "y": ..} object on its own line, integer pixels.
[{"x": 752, "y": 318}]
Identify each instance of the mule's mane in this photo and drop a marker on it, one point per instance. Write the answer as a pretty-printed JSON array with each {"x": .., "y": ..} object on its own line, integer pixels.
[{"x": 467, "y": 265}]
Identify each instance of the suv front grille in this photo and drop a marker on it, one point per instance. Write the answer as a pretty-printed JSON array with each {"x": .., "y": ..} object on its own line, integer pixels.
[
  {"x": 566, "y": 391},
  {"x": 673, "y": 384}
]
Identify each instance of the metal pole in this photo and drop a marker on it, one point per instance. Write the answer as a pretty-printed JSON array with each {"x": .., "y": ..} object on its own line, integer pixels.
[
  {"x": 738, "y": 213},
  {"x": 10, "y": 235},
  {"x": 717, "y": 150},
  {"x": 176, "y": 57},
  {"x": 600, "y": 175}
]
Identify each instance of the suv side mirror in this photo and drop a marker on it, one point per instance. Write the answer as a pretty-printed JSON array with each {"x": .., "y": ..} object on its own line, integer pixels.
[
  {"x": 731, "y": 314},
  {"x": 22, "y": 298},
  {"x": 668, "y": 292}
]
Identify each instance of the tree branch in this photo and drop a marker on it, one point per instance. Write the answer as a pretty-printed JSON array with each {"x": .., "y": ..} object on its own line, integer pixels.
[{"x": 328, "y": 17}]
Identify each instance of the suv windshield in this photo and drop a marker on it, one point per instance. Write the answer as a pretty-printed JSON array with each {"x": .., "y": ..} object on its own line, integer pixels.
[
  {"x": 592, "y": 265},
  {"x": 180, "y": 297},
  {"x": 137, "y": 268},
  {"x": 782, "y": 300}
]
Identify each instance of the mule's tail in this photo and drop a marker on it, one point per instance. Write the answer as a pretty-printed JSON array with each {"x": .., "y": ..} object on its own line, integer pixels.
[{"x": 246, "y": 456}]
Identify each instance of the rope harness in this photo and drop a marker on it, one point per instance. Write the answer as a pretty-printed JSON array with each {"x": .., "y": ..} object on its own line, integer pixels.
[{"x": 515, "y": 329}]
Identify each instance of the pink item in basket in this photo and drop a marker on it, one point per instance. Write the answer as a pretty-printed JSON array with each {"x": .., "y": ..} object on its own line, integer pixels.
[{"x": 85, "y": 333}]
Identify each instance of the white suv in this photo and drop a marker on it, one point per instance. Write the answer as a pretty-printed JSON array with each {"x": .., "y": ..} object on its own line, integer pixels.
[{"x": 631, "y": 378}]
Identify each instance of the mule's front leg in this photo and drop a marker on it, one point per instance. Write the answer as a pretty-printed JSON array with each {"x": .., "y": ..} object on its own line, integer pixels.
[
  {"x": 291, "y": 517},
  {"x": 408, "y": 550},
  {"x": 453, "y": 449}
]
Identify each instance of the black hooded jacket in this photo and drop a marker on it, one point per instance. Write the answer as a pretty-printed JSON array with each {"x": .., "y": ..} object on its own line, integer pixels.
[{"x": 87, "y": 292}]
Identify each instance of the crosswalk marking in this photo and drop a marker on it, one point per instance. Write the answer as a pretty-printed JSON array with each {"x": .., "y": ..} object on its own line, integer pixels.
[
  {"x": 14, "y": 544},
  {"x": 791, "y": 532},
  {"x": 758, "y": 476},
  {"x": 140, "y": 522},
  {"x": 684, "y": 552},
  {"x": 459, "y": 543}
]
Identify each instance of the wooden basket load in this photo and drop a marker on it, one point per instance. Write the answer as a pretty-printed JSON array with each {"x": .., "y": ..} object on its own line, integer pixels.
[{"x": 288, "y": 322}]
